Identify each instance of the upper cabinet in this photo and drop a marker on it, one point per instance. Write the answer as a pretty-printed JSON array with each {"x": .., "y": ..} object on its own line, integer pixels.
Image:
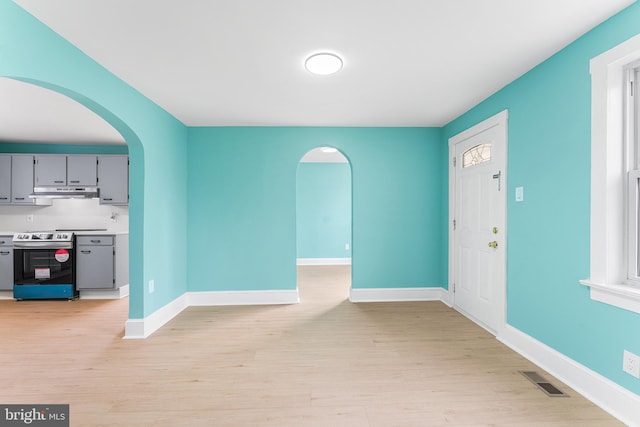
[
  {"x": 21, "y": 179},
  {"x": 51, "y": 170},
  {"x": 113, "y": 180},
  {"x": 5, "y": 179},
  {"x": 82, "y": 170},
  {"x": 16, "y": 179},
  {"x": 62, "y": 170}
]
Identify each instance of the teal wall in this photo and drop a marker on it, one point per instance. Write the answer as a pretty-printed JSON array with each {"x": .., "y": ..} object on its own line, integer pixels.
[
  {"x": 7, "y": 147},
  {"x": 548, "y": 233},
  {"x": 323, "y": 210},
  {"x": 242, "y": 205},
  {"x": 31, "y": 52}
]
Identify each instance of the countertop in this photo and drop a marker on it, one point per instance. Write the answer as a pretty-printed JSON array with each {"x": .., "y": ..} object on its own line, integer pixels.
[
  {"x": 77, "y": 233},
  {"x": 99, "y": 233}
]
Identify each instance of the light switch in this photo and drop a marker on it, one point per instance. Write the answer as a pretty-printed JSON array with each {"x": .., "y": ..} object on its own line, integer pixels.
[{"x": 519, "y": 194}]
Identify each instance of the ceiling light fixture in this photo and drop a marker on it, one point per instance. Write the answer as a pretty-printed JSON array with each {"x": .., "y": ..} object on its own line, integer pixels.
[
  {"x": 323, "y": 64},
  {"x": 329, "y": 150}
]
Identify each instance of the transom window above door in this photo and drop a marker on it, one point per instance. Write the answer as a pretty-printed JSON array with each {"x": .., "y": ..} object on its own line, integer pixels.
[{"x": 475, "y": 155}]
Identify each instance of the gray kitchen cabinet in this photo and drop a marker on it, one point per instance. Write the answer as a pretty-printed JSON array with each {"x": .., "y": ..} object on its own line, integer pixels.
[
  {"x": 113, "y": 179},
  {"x": 5, "y": 179},
  {"x": 102, "y": 261},
  {"x": 6, "y": 263},
  {"x": 51, "y": 170},
  {"x": 21, "y": 179},
  {"x": 63, "y": 170},
  {"x": 82, "y": 170}
]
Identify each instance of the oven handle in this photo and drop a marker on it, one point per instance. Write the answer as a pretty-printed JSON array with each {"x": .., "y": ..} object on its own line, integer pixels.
[{"x": 43, "y": 245}]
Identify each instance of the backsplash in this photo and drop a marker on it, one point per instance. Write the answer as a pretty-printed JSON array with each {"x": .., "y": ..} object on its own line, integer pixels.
[{"x": 64, "y": 214}]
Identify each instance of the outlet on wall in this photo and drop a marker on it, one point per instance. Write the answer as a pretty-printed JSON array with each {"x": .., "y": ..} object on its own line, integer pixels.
[
  {"x": 152, "y": 286},
  {"x": 631, "y": 364},
  {"x": 29, "y": 218}
]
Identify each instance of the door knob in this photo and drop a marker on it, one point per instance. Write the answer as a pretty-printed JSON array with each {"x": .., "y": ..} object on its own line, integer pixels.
[{"x": 493, "y": 244}]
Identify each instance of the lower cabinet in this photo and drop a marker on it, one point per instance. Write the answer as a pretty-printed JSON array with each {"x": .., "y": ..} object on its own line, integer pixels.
[
  {"x": 102, "y": 261},
  {"x": 6, "y": 263}
]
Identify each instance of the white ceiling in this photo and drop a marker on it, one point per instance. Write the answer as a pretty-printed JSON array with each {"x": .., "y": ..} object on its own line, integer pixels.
[
  {"x": 30, "y": 113},
  {"x": 240, "y": 63}
]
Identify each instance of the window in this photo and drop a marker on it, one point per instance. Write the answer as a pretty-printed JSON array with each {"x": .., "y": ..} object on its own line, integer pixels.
[
  {"x": 475, "y": 155},
  {"x": 615, "y": 178}
]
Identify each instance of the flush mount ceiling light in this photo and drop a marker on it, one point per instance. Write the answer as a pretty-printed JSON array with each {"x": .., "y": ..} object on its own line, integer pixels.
[{"x": 323, "y": 64}]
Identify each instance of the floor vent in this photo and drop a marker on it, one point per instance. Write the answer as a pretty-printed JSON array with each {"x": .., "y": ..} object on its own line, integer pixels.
[{"x": 543, "y": 384}]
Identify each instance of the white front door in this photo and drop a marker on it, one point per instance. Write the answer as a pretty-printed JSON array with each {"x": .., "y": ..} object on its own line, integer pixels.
[{"x": 478, "y": 228}]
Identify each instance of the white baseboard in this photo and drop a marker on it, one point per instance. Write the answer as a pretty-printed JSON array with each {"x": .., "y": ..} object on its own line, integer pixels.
[
  {"x": 395, "y": 294},
  {"x": 119, "y": 293},
  {"x": 323, "y": 261},
  {"x": 142, "y": 328},
  {"x": 6, "y": 294},
  {"x": 616, "y": 400},
  {"x": 447, "y": 297}
]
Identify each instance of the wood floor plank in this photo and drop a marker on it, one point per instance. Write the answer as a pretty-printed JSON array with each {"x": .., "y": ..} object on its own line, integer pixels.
[{"x": 323, "y": 362}]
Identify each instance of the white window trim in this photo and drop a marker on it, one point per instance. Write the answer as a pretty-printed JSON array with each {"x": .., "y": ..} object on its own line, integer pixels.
[
  {"x": 632, "y": 213},
  {"x": 608, "y": 268}
]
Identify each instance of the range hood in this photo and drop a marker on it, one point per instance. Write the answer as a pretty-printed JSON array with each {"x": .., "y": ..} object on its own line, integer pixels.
[{"x": 65, "y": 192}]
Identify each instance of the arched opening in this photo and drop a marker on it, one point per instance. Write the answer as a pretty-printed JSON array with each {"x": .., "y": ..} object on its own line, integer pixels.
[
  {"x": 323, "y": 225},
  {"x": 70, "y": 212}
]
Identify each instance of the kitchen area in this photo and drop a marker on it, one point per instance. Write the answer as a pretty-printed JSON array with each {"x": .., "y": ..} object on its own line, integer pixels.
[{"x": 64, "y": 226}]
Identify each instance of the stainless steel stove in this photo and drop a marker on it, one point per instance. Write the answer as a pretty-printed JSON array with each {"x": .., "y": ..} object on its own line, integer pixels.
[{"x": 44, "y": 265}]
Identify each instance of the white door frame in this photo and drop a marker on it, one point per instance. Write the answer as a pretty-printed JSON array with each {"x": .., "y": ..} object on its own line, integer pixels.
[{"x": 498, "y": 119}]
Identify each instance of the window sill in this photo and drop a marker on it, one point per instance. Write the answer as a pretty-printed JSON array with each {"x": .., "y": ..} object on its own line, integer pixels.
[{"x": 622, "y": 296}]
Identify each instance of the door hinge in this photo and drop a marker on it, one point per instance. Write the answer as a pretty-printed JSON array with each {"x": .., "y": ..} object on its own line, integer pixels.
[
  {"x": 454, "y": 224},
  {"x": 454, "y": 162},
  {"x": 454, "y": 287}
]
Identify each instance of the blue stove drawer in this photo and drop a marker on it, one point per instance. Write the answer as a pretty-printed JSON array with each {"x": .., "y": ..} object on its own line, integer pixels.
[{"x": 61, "y": 291}]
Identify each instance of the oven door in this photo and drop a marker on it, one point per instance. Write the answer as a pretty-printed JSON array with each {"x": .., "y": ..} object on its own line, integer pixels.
[{"x": 43, "y": 266}]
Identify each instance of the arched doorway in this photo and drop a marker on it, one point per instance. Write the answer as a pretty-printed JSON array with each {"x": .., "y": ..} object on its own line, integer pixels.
[
  {"x": 94, "y": 113},
  {"x": 323, "y": 224}
]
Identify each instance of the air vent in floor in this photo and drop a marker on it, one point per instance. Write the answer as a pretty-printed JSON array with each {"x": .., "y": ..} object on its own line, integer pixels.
[{"x": 543, "y": 384}]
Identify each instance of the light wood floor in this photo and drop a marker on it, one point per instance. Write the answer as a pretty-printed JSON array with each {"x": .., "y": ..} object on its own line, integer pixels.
[{"x": 323, "y": 362}]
